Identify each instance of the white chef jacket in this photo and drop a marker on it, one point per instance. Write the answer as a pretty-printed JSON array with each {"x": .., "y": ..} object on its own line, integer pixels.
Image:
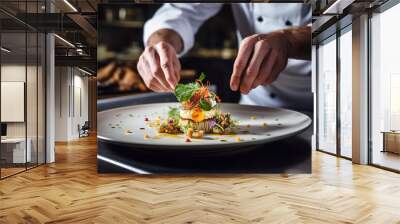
[{"x": 292, "y": 89}]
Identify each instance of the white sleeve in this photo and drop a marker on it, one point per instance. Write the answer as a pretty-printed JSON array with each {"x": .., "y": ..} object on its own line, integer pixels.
[{"x": 184, "y": 18}]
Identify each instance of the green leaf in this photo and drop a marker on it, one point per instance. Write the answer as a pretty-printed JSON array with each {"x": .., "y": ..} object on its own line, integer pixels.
[
  {"x": 205, "y": 105},
  {"x": 173, "y": 112},
  {"x": 202, "y": 77},
  {"x": 184, "y": 92}
]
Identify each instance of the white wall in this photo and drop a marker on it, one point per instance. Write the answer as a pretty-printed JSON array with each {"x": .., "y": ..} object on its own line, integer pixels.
[
  {"x": 33, "y": 127},
  {"x": 70, "y": 83},
  {"x": 62, "y": 81},
  {"x": 16, "y": 72}
]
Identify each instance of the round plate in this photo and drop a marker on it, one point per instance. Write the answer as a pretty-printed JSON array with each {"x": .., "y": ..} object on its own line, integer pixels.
[{"x": 256, "y": 125}]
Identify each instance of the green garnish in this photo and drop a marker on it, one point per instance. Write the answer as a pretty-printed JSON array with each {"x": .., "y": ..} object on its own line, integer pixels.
[
  {"x": 205, "y": 105},
  {"x": 201, "y": 77},
  {"x": 173, "y": 112},
  {"x": 184, "y": 92}
]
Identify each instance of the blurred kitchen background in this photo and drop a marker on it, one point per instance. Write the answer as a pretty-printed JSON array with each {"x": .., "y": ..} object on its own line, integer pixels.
[{"x": 120, "y": 43}]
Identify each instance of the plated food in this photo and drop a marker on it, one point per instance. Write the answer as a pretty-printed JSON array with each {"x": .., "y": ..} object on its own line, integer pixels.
[
  {"x": 198, "y": 124},
  {"x": 199, "y": 112},
  {"x": 255, "y": 125}
]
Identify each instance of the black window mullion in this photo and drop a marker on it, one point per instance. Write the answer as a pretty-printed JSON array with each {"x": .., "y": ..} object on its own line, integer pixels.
[
  {"x": 26, "y": 87},
  {"x": 338, "y": 77},
  {"x": 37, "y": 90},
  {"x": 317, "y": 96}
]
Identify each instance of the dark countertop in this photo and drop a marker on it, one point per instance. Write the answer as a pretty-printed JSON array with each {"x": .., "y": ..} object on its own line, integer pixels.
[{"x": 291, "y": 155}]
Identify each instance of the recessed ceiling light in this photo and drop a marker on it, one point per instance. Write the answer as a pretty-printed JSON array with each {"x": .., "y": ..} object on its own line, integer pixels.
[
  {"x": 5, "y": 49},
  {"x": 64, "y": 40},
  {"x": 70, "y": 5},
  {"x": 84, "y": 71},
  {"x": 337, "y": 7}
]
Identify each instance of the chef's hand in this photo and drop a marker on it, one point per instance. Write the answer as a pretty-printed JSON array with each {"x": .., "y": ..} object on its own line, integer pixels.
[
  {"x": 158, "y": 65},
  {"x": 260, "y": 59}
]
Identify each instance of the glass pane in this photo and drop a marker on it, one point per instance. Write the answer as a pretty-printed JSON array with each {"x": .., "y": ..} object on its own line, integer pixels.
[
  {"x": 41, "y": 99},
  {"x": 13, "y": 79},
  {"x": 327, "y": 96},
  {"x": 31, "y": 98},
  {"x": 385, "y": 84},
  {"x": 346, "y": 94}
]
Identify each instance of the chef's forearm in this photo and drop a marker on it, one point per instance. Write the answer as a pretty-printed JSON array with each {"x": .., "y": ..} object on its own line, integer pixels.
[
  {"x": 299, "y": 40},
  {"x": 167, "y": 35}
]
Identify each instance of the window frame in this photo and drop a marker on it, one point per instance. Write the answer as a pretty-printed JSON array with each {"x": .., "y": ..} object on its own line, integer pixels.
[
  {"x": 378, "y": 10},
  {"x": 346, "y": 26}
]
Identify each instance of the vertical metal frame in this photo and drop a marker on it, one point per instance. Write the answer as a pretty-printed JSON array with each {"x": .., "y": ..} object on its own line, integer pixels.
[
  {"x": 369, "y": 77},
  {"x": 338, "y": 75},
  {"x": 45, "y": 90},
  {"x": 26, "y": 87},
  {"x": 37, "y": 91},
  {"x": 316, "y": 97}
]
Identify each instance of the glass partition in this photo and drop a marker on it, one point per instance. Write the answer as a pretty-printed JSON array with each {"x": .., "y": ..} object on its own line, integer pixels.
[
  {"x": 23, "y": 91},
  {"x": 14, "y": 153},
  {"x": 41, "y": 96},
  {"x": 32, "y": 98},
  {"x": 385, "y": 89},
  {"x": 326, "y": 104},
  {"x": 345, "y": 57}
]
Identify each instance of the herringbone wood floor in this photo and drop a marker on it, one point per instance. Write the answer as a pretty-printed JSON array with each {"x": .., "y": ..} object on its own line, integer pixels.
[{"x": 71, "y": 191}]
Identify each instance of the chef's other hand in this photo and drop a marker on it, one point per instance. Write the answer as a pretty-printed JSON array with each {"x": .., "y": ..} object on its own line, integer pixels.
[
  {"x": 260, "y": 59},
  {"x": 159, "y": 67}
]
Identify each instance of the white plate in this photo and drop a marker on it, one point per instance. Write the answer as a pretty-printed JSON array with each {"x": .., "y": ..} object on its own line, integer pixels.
[{"x": 257, "y": 125}]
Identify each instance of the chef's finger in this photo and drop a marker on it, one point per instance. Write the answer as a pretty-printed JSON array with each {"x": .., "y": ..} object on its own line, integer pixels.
[
  {"x": 261, "y": 50},
  {"x": 150, "y": 81},
  {"x": 266, "y": 68},
  {"x": 263, "y": 74},
  {"x": 153, "y": 62},
  {"x": 164, "y": 51},
  {"x": 276, "y": 70},
  {"x": 177, "y": 68},
  {"x": 242, "y": 58}
]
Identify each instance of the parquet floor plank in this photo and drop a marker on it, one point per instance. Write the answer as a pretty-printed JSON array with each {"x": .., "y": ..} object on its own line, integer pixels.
[{"x": 71, "y": 191}]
